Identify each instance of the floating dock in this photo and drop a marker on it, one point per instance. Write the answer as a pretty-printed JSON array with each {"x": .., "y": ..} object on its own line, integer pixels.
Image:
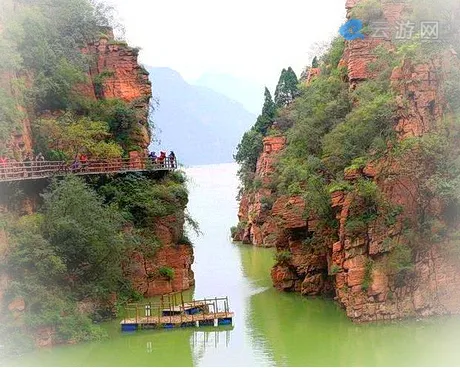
[{"x": 169, "y": 314}]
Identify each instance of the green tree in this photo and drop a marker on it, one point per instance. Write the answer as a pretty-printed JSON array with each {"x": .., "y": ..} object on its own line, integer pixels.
[
  {"x": 287, "y": 89},
  {"x": 267, "y": 117},
  {"x": 315, "y": 63},
  {"x": 121, "y": 117},
  {"x": 86, "y": 235},
  {"x": 71, "y": 135},
  {"x": 47, "y": 38},
  {"x": 250, "y": 147}
]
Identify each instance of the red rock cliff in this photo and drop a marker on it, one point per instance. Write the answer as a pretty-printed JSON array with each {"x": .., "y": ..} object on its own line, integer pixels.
[
  {"x": 256, "y": 225},
  {"x": 353, "y": 268},
  {"x": 143, "y": 270},
  {"x": 113, "y": 73}
]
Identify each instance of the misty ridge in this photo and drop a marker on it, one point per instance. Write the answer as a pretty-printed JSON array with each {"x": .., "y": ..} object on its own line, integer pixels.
[{"x": 201, "y": 126}]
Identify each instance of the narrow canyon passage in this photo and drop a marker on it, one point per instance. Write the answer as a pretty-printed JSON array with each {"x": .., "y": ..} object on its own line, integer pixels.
[{"x": 270, "y": 328}]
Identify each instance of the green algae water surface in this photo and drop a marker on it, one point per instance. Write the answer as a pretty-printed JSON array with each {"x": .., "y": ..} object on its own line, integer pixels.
[{"x": 270, "y": 328}]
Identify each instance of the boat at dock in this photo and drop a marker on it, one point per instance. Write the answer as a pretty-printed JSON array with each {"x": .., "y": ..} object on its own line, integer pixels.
[{"x": 172, "y": 311}]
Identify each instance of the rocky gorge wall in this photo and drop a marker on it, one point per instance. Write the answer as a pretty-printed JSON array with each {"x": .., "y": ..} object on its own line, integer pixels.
[
  {"x": 143, "y": 270},
  {"x": 113, "y": 73},
  {"x": 354, "y": 268}
]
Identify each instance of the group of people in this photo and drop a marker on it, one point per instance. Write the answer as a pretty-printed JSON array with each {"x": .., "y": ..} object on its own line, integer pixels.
[
  {"x": 21, "y": 165},
  {"x": 80, "y": 162},
  {"x": 162, "y": 159},
  {"x": 4, "y": 160},
  {"x": 31, "y": 165}
]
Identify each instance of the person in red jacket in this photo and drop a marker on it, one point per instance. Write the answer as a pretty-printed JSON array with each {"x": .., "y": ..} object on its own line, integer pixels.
[
  {"x": 83, "y": 161},
  {"x": 3, "y": 164},
  {"x": 162, "y": 158}
]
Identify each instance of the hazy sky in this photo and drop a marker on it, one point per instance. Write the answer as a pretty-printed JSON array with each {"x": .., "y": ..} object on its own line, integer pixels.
[{"x": 251, "y": 39}]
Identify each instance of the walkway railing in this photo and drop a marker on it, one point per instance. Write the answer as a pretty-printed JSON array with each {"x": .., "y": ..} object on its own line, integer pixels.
[
  {"x": 13, "y": 171},
  {"x": 185, "y": 312}
]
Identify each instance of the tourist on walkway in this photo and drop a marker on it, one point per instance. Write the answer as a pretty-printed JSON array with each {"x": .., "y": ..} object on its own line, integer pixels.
[
  {"x": 28, "y": 163},
  {"x": 153, "y": 157},
  {"x": 3, "y": 164},
  {"x": 172, "y": 160},
  {"x": 162, "y": 158},
  {"x": 83, "y": 161},
  {"x": 40, "y": 157},
  {"x": 75, "y": 164}
]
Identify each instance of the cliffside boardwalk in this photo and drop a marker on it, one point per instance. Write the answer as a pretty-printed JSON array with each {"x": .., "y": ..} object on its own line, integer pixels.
[{"x": 15, "y": 171}]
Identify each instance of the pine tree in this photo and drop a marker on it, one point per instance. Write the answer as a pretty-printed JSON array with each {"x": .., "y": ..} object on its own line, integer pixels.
[
  {"x": 251, "y": 145},
  {"x": 286, "y": 90},
  {"x": 266, "y": 118},
  {"x": 315, "y": 63}
]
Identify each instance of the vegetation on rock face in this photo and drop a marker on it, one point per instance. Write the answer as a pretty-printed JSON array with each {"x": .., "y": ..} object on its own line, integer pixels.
[
  {"x": 248, "y": 151},
  {"x": 69, "y": 252},
  {"x": 70, "y": 263},
  {"x": 41, "y": 45},
  {"x": 286, "y": 90},
  {"x": 76, "y": 249},
  {"x": 142, "y": 201},
  {"x": 166, "y": 272},
  {"x": 283, "y": 256},
  {"x": 333, "y": 129},
  {"x": 68, "y": 135}
]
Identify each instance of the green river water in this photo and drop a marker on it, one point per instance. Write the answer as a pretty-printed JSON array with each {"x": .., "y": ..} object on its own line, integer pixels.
[{"x": 270, "y": 328}]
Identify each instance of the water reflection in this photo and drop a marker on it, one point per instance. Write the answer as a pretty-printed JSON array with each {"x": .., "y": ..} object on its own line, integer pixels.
[
  {"x": 297, "y": 331},
  {"x": 270, "y": 328}
]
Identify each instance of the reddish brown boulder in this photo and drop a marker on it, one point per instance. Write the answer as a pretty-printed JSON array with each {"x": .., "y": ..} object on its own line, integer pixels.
[
  {"x": 313, "y": 285},
  {"x": 289, "y": 212},
  {"x": 360, "y": 56},
  {"x": 356, "y": 277},
  {"x": 144, "y": 271},
  {"x": 283, "y": 278}
]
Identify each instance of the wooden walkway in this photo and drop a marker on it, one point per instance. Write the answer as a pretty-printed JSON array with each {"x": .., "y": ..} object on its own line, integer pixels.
[
  {"x": 14, "y": 171},
  {"x": 168, "y": 314}
]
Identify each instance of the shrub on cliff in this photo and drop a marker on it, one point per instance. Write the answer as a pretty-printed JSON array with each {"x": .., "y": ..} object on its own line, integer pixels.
[
  {"x": 283, "y": 257},
  {"x": 69, "y": 252},
  {"x": 48, "y": 37},
  {"x": 365, "y": 127},
  {"x": 166, "y": 272},
  {"x": 72, "y": 135},
  {"x": 142, "y": 200},
  {"x": 121, "y": 117},
  {"x": 85, "y": 233}
]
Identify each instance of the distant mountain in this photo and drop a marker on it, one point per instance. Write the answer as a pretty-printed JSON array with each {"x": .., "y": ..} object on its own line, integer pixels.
[
  {"x": 250, "y": 94},
  {"x": 201, "y": 126}
]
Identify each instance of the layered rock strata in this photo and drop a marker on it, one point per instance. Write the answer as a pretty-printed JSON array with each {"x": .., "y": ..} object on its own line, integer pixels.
[{"x": 354, "y": 268}]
